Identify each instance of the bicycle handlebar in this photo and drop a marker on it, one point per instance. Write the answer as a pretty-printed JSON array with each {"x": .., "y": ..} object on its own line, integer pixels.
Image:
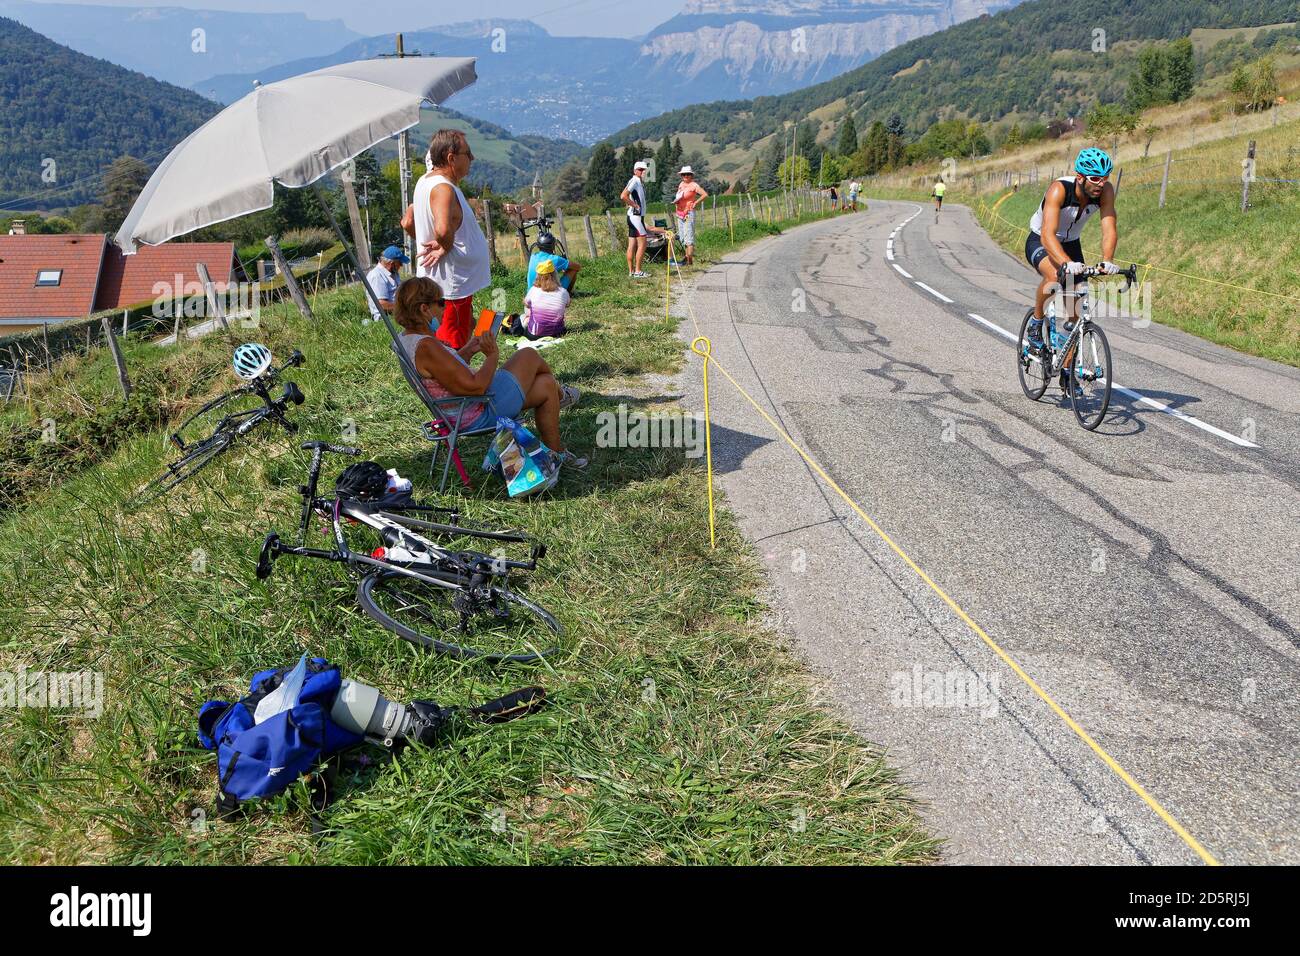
[{"x": 1096, "y": 272}]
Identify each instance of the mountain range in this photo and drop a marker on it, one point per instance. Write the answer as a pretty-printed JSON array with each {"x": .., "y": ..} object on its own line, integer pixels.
[
  {"x": 1030, "y": 62},
  {"x": 530, "y": 82}
]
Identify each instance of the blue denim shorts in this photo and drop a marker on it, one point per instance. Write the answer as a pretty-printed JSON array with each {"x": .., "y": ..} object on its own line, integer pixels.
[{"x": 506, "y": 396}]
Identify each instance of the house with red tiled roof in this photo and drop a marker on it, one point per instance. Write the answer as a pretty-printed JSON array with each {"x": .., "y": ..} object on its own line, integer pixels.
[
  {"x": 52, "y": 279},
  {"x": 48, "y": 279}
]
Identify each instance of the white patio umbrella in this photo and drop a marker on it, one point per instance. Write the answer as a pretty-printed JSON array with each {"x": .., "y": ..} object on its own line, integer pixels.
[{"x": 293, "y": 132}]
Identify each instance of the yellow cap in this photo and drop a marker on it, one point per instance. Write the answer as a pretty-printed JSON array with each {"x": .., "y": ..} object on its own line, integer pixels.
[{"x": 545, "y": 267}]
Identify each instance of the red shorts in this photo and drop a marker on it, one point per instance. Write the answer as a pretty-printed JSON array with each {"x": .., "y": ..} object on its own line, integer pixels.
[{"x": 457, "y": 321}]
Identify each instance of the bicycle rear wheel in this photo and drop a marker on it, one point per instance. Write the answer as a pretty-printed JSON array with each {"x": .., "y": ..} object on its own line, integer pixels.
[
  {"x": 189, "y": 464},
  {"x": 1090, "y": 378},
  {"x": 489, "y": 623},
  {"x": 1033, "y": 375}
]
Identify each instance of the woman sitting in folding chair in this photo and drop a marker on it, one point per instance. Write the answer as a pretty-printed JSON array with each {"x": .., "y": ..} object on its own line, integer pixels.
[{"x": 525, "y": 382}]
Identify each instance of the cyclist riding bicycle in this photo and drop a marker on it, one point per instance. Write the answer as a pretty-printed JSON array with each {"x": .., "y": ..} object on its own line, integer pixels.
[
  {"x": 939, "y": 189},
  {"x": 1056, "y": 226}
]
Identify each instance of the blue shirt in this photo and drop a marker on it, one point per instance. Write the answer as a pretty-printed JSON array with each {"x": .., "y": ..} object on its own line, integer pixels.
[
  {"x": 385, "y": 285},
  {"x": 561, "y": 266}
]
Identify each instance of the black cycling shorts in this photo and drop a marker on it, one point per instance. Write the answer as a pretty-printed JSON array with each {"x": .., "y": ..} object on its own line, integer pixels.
[{"x": 1035, "y": 253}]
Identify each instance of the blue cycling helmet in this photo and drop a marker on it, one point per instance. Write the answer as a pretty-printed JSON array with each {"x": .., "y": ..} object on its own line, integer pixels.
[
  {"x": 251, "y": 360},
  {"x": 1093, "y": 162}
]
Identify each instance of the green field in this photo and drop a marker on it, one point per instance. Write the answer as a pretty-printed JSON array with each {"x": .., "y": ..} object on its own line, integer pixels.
[{"x": 681, "y": 729}]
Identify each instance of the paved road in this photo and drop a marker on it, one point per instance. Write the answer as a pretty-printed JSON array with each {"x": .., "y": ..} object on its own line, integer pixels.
[{"x": 1144, "y": 576}]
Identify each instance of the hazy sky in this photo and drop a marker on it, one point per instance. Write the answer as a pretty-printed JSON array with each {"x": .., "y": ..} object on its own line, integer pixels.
[{"x": 561, "y": 17}]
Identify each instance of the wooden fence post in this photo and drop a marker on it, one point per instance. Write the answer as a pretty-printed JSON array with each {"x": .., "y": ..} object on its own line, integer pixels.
[
  {"x": 713, "y": 202},
  {"x": 613, "y": 233},
  {"x": 559, "y": 221},
  {"x": 126, "y": 315},
  {"x": 1247, "y": 174},
  {"x": 489, "y": 230},
  {"x": 210, "y": 292},
  {"x": 591, "y": 236},
  {"x": 117, "y": 358},
  {"x": 290, "y": 282},
  {"x": 1164, "y": 180}
]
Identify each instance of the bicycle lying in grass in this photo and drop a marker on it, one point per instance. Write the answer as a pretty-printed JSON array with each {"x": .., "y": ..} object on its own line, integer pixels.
[
  {"x": 420, "y": 590},
  {"x": 253, "y": 363},
  {"x": 1079, "y": 357}
]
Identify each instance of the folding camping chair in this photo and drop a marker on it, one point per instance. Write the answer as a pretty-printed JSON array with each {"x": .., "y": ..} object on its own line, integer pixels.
[{"x": 444, "y": 430}]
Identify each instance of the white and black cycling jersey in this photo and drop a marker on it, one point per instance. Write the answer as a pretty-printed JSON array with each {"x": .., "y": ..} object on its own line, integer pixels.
[{"x": 1073, "y": 216}]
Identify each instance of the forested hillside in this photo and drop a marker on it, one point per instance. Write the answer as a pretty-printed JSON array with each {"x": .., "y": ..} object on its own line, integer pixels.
[{"x": 67, "y": 116}]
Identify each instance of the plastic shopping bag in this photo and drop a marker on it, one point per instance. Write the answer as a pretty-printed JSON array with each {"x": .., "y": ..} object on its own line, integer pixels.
[{"x": 521, "y": 459}]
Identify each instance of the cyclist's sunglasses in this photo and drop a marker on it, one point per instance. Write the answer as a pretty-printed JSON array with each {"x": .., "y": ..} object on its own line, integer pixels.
[{"x": 1097, "y": 180}]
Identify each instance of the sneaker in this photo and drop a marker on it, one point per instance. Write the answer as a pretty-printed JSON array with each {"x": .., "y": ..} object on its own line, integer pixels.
[
  {"x": 569, "y": 396},
  {"x": 639, "y": 275},
  {"x": 573, "y": 461}
]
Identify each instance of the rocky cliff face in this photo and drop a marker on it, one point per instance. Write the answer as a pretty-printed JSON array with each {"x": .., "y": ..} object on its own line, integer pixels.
[{"x": 756, "y": 47}]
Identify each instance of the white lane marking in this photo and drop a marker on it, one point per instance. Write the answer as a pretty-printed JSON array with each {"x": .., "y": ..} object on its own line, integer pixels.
[
  {"x": 902, "y": 272},
  {"x": 1138, "y": 396},
  {"x": 934, "y": 292},
  {"x": 992, "y": 325},
  {"x": 1182, "y": 416},
  {"x": 889, "y": 252}
]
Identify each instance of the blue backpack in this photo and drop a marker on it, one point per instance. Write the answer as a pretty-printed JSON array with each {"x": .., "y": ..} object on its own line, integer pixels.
[{"x": 262, "y": 760}]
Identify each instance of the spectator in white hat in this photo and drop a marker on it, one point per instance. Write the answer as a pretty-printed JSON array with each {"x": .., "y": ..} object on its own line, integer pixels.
[
  {"x": 634, "y": 198},
  {"x": 689, "y": 194}
]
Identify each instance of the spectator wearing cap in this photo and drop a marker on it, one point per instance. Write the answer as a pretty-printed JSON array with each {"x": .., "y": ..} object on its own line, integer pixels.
[
  {"x": 565, "y": 269},
  {"x": 383, "y": 279},
  {"x": 689, "y": 195},
  {"x": 634, "y": 197},
  {"x": 544, "y": 306}
]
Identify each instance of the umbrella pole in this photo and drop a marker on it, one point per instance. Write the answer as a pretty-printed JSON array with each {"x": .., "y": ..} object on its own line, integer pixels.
[{"x": 356, "y": 265}]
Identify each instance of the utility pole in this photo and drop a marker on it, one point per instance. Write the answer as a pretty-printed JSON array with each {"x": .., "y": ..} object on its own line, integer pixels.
[{"x": 404, "y": 167}]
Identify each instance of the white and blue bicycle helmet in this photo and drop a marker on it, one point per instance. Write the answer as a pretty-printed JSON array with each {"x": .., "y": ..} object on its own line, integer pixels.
[
  {"x": 251, "y": 360},
  {"x": 1093, "y": 162}
]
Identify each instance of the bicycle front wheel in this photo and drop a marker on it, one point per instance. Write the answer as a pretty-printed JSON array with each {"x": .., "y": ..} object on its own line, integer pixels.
[
  {"x": 1033, "y": 373},
  {"x": 489, "y": 623},
  {"x": 1090, "y": 374},
  {"x": 189, "y": 464}
]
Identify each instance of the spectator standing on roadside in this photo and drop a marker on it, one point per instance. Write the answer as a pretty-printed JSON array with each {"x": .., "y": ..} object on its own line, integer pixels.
[
  {"x": 453, "y": 251},
  {"x": 689, "y": 194},
  {"x": 855, "y": 187},
  {"x": 634, "y": 198},
  {"x": 384, "y": 280}
]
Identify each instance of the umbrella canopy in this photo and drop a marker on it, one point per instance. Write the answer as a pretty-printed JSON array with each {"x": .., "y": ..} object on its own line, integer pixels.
[{"x": 294, "y": 132}]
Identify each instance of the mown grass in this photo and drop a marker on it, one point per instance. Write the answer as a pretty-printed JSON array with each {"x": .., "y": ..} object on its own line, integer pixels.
[{"x": 682, "y": 728}]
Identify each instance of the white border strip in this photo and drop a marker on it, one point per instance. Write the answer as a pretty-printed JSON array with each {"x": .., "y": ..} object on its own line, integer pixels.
[
  {"x": 934, "y": 292},
  {"x": 902, "y": 272}
]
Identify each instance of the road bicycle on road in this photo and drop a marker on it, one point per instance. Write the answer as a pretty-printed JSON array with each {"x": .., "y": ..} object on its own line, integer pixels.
[
  {"x": 253, "y": 362},
  {"x": 456, "y": 602},
  {"x": 1078, "y": 356}
]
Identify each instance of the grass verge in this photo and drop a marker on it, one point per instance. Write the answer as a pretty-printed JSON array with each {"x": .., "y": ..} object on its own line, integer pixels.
[{"x": 682, "y": 728}]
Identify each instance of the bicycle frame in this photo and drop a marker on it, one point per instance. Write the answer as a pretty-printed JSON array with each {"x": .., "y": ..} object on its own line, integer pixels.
[{"x": 399, "y": 532}]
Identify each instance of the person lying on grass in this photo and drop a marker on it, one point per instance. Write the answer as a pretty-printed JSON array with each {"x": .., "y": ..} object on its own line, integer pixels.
[
  {"x": 544, "y": 306},
  {"x": 525, "y": 382}
]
